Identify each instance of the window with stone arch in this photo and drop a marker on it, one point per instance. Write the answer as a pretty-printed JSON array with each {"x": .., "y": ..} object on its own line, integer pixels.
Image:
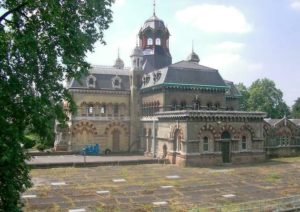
[
  {"x": 149, "y": 41},
  {"x": 158, "y": 41},
  {"x": 244, "y": 143},
  {"x": 205, "y": 144}
]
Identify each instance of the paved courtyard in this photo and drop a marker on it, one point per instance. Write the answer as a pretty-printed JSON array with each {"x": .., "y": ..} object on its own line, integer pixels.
[{"x": 166, "y": 188}]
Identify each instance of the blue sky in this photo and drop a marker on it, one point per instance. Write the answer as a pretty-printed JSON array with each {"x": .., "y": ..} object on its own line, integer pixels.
[{"x": 243, "y": 39}]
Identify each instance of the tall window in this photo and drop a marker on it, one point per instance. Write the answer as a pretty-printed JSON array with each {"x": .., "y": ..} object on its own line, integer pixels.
[
  {"x": 183, "y": 105},
  {"x": 116, "y": 109},
  {"x": 196, "y": 104},
  {"x": 90, "y": 110},
  {"x": 150, "y": 41},
  {"x": 205, "y": 144},
  {"x": 102, "y": 109},
  {"x": 244, "y": 143},
  {"x": 158, "y": 41}
]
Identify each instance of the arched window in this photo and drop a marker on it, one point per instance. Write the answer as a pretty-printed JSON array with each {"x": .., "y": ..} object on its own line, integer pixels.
[
  {"x": 91, "y": 82},
  {"x": 149, "y": 41},
  {"x": 158, "y": 41},
  {"x": 205, "y": 144},
  {"x": 244, "y": 143}
]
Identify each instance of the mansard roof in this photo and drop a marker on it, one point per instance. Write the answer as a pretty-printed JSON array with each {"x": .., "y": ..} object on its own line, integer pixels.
[
  {"x": 104, "y": 76},
  {"x": 185, "y": 73}
]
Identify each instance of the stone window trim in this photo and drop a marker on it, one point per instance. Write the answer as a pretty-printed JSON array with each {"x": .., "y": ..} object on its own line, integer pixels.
[
  {"x": 91, "y": 81},
  {"x": 149, "y": 41},
  {"x": 244, "y": 144},
  {"x": 205, "y": 144},
  {"x": 116, "y": 82}
]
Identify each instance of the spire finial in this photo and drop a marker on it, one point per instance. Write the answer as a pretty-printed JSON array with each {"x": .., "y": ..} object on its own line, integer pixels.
[
  {"x": 118, "y": 52},
  {"x": 154, "y": 8},
  {"x": 192, "y": 45}
]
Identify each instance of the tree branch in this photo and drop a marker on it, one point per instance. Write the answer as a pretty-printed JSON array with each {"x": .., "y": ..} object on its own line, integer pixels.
[{"x": 2, "y": 17}]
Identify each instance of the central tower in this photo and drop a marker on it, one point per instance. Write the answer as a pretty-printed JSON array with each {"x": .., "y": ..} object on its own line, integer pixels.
[{"x": 154, "y": 41}]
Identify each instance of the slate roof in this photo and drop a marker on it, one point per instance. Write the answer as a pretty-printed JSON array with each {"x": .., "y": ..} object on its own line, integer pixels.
[
  {"x": 186, "y": 73},
  {"x": 233, "y": 92},
  {"x": 296, "y": 121},
  {"x": 154, "y": 22},
  {"x": 104, "y": 76}
]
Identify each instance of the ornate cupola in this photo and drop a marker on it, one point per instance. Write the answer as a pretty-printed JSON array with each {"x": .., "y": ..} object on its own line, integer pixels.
[
  {"x": 119, "y": 64},
  {"x": 154, "y": 41},
  {"x": 193, "y": 57}
]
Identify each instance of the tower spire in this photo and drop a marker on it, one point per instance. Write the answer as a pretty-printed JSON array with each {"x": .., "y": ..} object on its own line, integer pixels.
[
  {"x": 118, "y": 52},
  {"x": 154, "y": 8}
]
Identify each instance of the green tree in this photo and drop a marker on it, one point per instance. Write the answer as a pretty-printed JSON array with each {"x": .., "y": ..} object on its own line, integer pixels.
[
  {"x": 42, "y": 44},
  {"x": 296, "y": 109},
  {"x": 245, "y": 96},
  {"x": 264, "y": 96}
]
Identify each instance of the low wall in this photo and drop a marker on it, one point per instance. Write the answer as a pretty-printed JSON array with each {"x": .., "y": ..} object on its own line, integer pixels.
[
  {"x": 248, "y": 157},
  {"x": 216, "y": 159},
  {"x": 283, "y": 152}
]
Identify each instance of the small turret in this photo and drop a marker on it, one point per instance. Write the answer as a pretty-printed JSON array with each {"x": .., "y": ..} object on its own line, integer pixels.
[
  {"x": 193, "y": 57},
  {"x": 119, "y": 64},
  {"x": 137, "y": 58}
]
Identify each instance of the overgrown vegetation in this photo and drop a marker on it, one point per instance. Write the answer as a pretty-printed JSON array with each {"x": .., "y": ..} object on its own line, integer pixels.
[{"x": 42, "y": 44}]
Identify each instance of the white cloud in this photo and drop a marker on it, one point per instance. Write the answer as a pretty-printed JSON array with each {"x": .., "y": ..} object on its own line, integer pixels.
[
  {"x": 295, "y": 4},
  {"x": 215, "y": 18},
  {"x": 229, "y": 46},
  {"x": 234, "y": 67}
]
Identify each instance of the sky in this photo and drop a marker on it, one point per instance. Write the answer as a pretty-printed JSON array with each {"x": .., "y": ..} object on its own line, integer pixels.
[{"x": 244, "y": 39}]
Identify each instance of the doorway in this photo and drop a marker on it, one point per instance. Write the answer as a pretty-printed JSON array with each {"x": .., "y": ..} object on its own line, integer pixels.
[
  {"x": 225, "y": 147},
  {"x": 116, "y": 140}
]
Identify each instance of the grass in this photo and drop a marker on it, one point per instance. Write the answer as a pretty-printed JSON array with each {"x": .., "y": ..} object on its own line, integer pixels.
[{"x": 204, "y": 185}]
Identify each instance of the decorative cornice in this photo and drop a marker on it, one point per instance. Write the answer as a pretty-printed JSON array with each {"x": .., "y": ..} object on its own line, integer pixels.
[
  {"x": 210, "y": 115},
  {"x": 186, "y": 87},
  {"x": 93, "y": 91}
]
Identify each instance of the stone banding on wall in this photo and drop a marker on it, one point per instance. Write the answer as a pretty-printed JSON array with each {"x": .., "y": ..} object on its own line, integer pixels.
[{"x": 116, "y": 125}]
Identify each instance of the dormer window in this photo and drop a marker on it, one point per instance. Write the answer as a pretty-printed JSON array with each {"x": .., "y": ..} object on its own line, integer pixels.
[
  {"x": 158, "y": 41},
  {"x": 156, "y": 76},
  {"x": 146, "y": 79},
  {"x": 116, "y": 82},
  {"x": 91, "y": 81},
  {"x": 150, "y": 41}
]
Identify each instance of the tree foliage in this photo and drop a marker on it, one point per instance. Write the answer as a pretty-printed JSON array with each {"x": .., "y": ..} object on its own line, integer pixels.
[
  {"x": 296, "y": 109},
  {"x": 263, "y": 96},
  {"x": 42, "y": 44},
  {"x": 245, "y": 96}
]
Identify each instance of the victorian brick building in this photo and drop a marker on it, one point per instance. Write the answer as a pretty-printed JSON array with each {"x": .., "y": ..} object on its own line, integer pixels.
[{"x": 182, "y": 111}]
